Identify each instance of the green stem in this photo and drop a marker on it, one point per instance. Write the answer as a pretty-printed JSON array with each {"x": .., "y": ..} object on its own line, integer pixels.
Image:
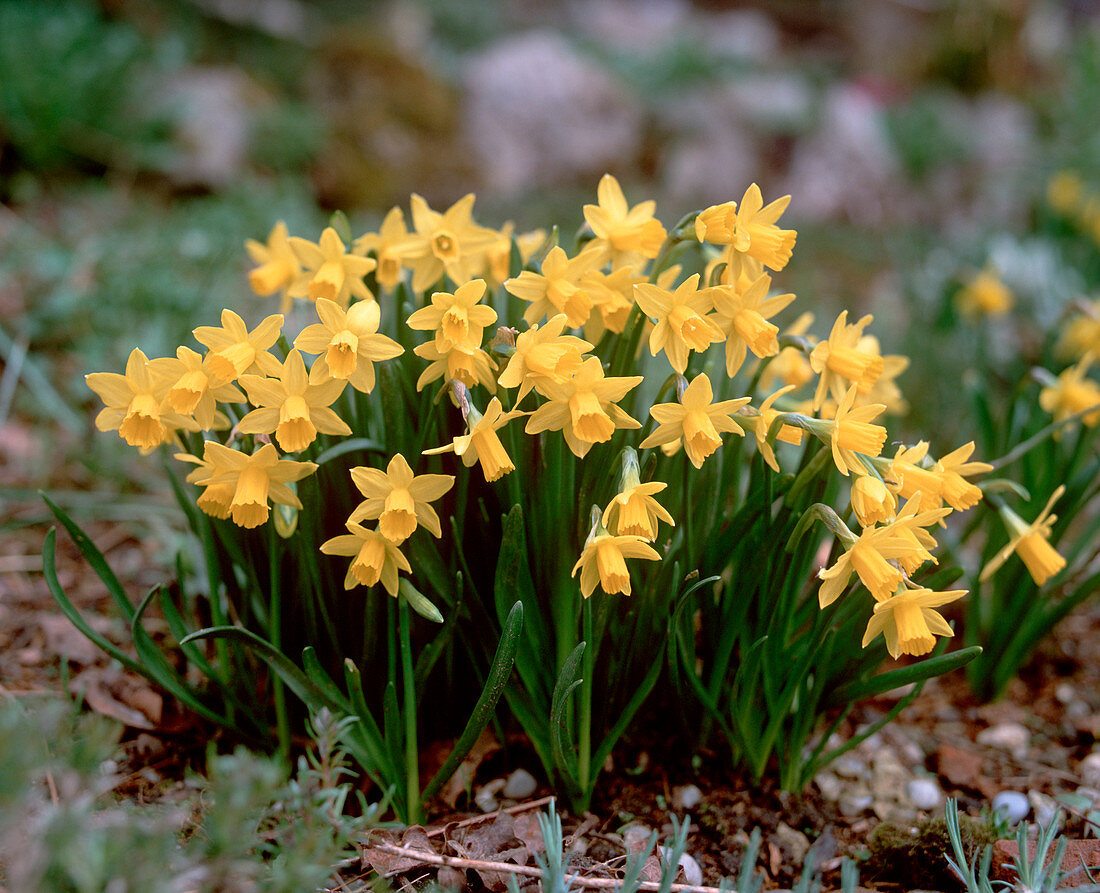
[
  {"x": 275, "y": 615},
  {"x": 408, "y": 685},
  {"x": 584, "y": 732}
]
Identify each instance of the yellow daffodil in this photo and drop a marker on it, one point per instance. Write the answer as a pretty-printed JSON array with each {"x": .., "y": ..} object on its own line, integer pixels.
[
  {"x": 1071, "y": 393},
  {"x": 557, "y": 287},
  {"x": 909, "y": 622},
  {"x": 543, "y": 354},
  {"x": 196, "y": 390},
  {"x": 840, "y": 361},
  {"x": 872, "y": 500},
  {"x": 1064, "y": 191},
  {"x": 635, "y": 512},
  {"x": 850, "y": 432},
  {"x": 762, "y": 419},
  {"x": 885, "y": 389},
  {"x": 742, "y": 312},
  {"x": 583, "y": 408},
  {"x": 448, "y": 242},
  {"x": 626, "y": 236},
  {"x": 347, "y": 344},
  {"x": 696, "y": 420},
  {"x": 399, "y": 499},
  {"x": 331, "y": 271},
  {"x": 135, "y": 403},
  {"x": 1031, "y": 542},
  {"x": 498, "y": 257},
  {"x": 909, "y": 524},
  {"x": 985, "y": 295},
  {"x": 682, "y": 320},
  {"x": 255, "y": 479},
  {"x": 870, "y": 556},
  {"x": 750, "y": 231},
  {"x": 469, "y": 365},
  {"x": 612, "y": 297},
  {"x": 234, "y": 350},
  {"x": 386, "y": 244},
  {"x": 603, "y": 561},
  {"x": 295, "y": 410},
  {"x": 911, "y": 472},
  {"x": 791, "y": 366},
  {"x": 958, "y": 492},
  {"x": 481, "y": 442},
  {"x": 1082, "y": 333},
  {"x": 278, "y": 265},
  {"x": 458, "y": 319},
  {"x": 215, "y": 499},
  {"x": 376, "y": 559}
]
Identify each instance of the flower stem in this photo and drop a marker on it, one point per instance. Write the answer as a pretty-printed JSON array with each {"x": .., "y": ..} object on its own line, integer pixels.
[{"x": 408, "y": 687}]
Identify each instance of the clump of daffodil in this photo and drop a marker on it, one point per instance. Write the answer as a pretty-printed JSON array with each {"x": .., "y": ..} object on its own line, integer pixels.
[
  {"x": 1072, "y": 393},
  {"x": 985, "y": 295},
  {"x": 330, "y": 270},
  {"x": 696, "y": 421},
  {"x": 543, "y": 354},
  {"x": 634, "y": 511},
  {"x": 255, "y": 479},
  {"x": 386, "y": 245},
  {"x": 292, "y": 408},
  {"x": 584, "y": 407},
  {"x": 791, "y": 366},
  {"x": 683, "y": 322},
  {"x": 751, "y": 235},
  {"x": 448, "y": 242},
  {"x": 908, "y": 620},
  {"x": 135, "y": 403},
  {"x": 840, "y": 361},
  {"x": 347, "y": 343},
  {"x": 742, "y": 312},
  {"x": 215, "y": 499},
  {"x": 481, "y": 443},
  {"x": 612, "y": 296},
  {"x": 234, "y": 350},
  {"x": 625, "y": 236},
  {"x": 458, "y": 319},
  {"x": 376, "y": 558},
  {"x": 913, "y": 471},
  {"x": 604, "y": 557},
  {"x": 1031, "y": 542},
  {"x": 557, "y": 287},
  {"x": 278, "y": 265},
  {"x": 953, "y": 468},
  {"x": 399, "y": 499}
]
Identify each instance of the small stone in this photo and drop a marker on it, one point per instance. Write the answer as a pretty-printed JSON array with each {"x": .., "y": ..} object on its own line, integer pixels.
[
  {"x": 1011, "y": 736},
  {"x": 961, "y": 768},
  {"x": 1065, "y": 693},
  {"x": 855, "y": 804},
  {"x": 686, "y": 796},
  {"x": 635, "y": 837},
  {"x": 1012, "y": 806},
  {"x": 486, "y": 796},
  {"x": 1043, "y": 807},
  {"x": 794, "y": 843},
  {"x": 1090, "y": 770},
  {"x": 850, "y": 767},
  {"x": 829, "y": 785},
  {"x": 520, "y": 785},
  {"x": 923, "y": 793},
  {"x": 689, "y": 868}
]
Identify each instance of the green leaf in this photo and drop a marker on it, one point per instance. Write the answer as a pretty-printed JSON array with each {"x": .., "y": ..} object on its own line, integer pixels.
[
  {"x": 499, "y": 673},
  {"x": 350, "y": 445},
  {"x": 926, "y": 669},
  {"x": 568, "y": 680}
]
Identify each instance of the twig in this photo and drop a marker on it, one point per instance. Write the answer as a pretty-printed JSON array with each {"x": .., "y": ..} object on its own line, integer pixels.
[
  {"x": 478, "y": 819},
  {"x": 512, "y": 868}
]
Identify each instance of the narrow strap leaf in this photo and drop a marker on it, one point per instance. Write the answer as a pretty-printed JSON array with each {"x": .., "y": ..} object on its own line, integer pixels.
[
  {"x": 567, "y": 681},
  {"x": 926, "y": 669}
]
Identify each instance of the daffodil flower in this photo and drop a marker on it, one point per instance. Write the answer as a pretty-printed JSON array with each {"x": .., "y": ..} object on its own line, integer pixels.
[
  {"x": 1030, "y": 542},
  {"x": 348, "y": 344},
  {"x": 399, "y": 499},
  {"x": 448, "y": 242},
  {"x": 458, "y": 319},
  {"x": 278, "y": 265},
  {"x": 683, "y": 323},
  {"x": 256, "y": 479},
  {"x": 696, "y": 420},
  {"x": 840, "y": 361},
  {"x": 481, "y": 443},
  {"x": 625, "y": 235},
  {"x": 331, "y": 271},
  {"x": 375, "y": 559},
  {"x": 909, "y": 622}
]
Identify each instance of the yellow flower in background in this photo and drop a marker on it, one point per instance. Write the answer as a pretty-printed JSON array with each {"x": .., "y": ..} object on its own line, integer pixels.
[
  {"x": 742, "y": 312},
  {"x": 1071, "y": 393},
  {"x": 1030, "y": 542},
  {"x": 195, "y": 390},
  {"x": 134, "y": 403},
  {"x": 386, "y": 245},
  {"x": 885, "y": 389},
  {"x": 469, "y": 365},
  {"x": 612, "y": 296},
  {"x": 234, "y": 350},
  {"x": 909, "y": 622},
  {"x": 911, "y": 472},
  {"x": 347, "y": 344},
  {"x": 256, "y": 479},
  {"x": 872, "y": 500},
  {"x": 603, "y": 561},
  {"x": 985, "y": 295},
  {"x": 458, "y": 319},
  {"x": 1064, "y": 192},
  {"x": 1082, "y": 333},
  {"x": 376, "y": 559},
  {"x": 682, "y": 323},
  {"x": 840, "y": 361},
  {"x": 331, "y": 272},
  {"x": 634, "y": 511},
  {"x": 498, "y": 256},
  {"x": 295, "y": 410},
  {"x": 754, "y": 239},
  {"x": 851, "y": 432},
  {"x": 909, "y": 524},
  {"x": 278, "y": 265},
  {"x": 958, "y": 492},
  {"x": 557, "y": 287},
  {"x": 696, "y": 420},
  {"x": 481, "y": 443},
  {"x": 448, "y": 242},
  {"x": 791, "y": 366},
  {"x": 625, "y": 236},
  {"x": 762, "y": 419},
  {"x": 583, "y": 408},
  {"x": 543, "y": 354},
  {"x": 399, "y": 499}
]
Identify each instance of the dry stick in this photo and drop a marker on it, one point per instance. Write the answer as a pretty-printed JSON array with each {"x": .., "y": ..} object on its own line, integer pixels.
[
  {"x": 478, "y": 819},
  {"x": 512, "y": 868}
]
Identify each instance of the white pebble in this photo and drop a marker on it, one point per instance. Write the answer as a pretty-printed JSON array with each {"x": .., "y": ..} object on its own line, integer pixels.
[
  {"x": 520, "y": 785},
  {"x": 1043, "y": 807},
  {"x": 1010, "y": 736},
  {"x": 689, "y": 868},
  {"x": 1090, "y": 770},
  {"x": 1012, "y": 805},
  {"x": 686, "y": 796},
  {"x": 486, "y": 796},
  {"x": 923, "y": 793},
  {"x": 850, "y": 767}
]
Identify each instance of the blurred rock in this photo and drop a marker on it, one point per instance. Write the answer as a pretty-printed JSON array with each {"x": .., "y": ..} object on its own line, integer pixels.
[
  {"x": 631, "y": 24},
  {"x": 1012, "y": 805},
  {"x": 686, "y": 797},
  {"x": 1090, "y": 770},
  {"x": 924, "y": 793},
  {"x": 748, "y": 34},
  {"x": 1043, "y": 807},
  {"x": 1011, "y": 736},
  {"x": 520, "y": 785},
  {"x": 794, "y": 843},
  {"x": 537, "y": 113},
  {"x": 689, "y": 868},
  {"x": 961, "y": 768}
]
